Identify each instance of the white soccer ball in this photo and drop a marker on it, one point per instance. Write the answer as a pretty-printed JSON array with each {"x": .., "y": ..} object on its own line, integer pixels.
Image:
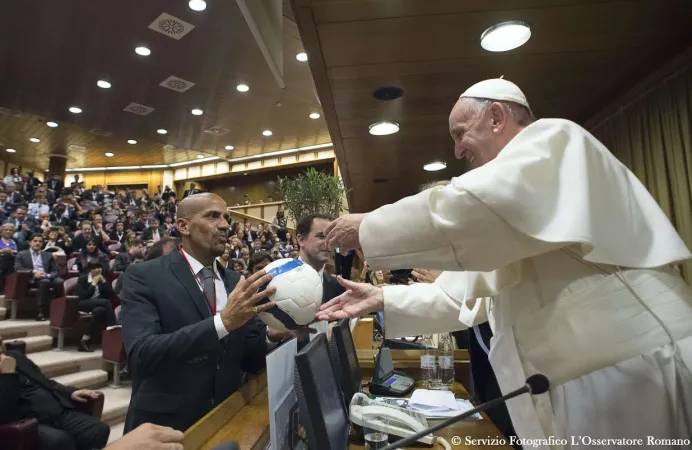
[{"x": 298, "y": 294}]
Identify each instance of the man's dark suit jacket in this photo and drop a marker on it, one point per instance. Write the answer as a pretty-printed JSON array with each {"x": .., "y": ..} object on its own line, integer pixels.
[
  {"x": 23, "y": 261},
  {"x": 28, "y": 393},
  {"x": 92, "y": 196},
  {"x": 180, "y": 369},
  {"x": 114, "y": 237},
  {"x": 148, "y": 234},
  {"x": 189, "y": 192},
  {"x": 122, "y": 261},
  {"x": 56, "y": 186}
]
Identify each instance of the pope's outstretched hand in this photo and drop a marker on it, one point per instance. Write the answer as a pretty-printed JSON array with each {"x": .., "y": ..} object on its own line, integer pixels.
[
  {"x": 343, "y": 232},
  {"x": 358, "y": 300}
]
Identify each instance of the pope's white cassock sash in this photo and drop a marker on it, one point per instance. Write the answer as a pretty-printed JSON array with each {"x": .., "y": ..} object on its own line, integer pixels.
[{"x": 576, "y": 254}]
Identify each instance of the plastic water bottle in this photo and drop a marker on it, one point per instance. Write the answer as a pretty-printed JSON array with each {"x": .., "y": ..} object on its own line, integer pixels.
[
  {"x": 428, "y": 364},
  {"x": 445, "y": 360}
]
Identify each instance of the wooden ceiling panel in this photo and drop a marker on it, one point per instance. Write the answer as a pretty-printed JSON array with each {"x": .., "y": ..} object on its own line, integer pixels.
[
  {"x": 52, "y": 55},
  {"x": 580, "y": 55},
  {"x": 328, "y": 11},
  {"x": 569, "y": 28}
]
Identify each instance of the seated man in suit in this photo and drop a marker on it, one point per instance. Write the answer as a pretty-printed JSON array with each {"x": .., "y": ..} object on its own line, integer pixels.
[
  {"x": 189, "y": 325},
  {"x": 44, "y": 274},
  {"x": 124, "y": 259},
  {"x": 26, "y": 393},
  {"x": 154, "y": 233}
]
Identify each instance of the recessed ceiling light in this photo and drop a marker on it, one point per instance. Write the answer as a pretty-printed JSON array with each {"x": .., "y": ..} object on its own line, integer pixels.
[
  {"x": 229, "y": 147},
  {"x": 435, "y": 166},
  {"x": 315, "y": 116},
  {"x": 143, "y": 51},
  {"x": 131, "y": 141},
  {"x": 52, "y": 124},
  {"x": 197, "y": 5},
  {"x": 267, "y": 133},
  {"x": 35, "y": 140},
  {"x": 103, "y": 84},
  {"x": 383, "y": 128},
  {"x": 11, "y": 150},
  {"x": 505, "y": 36},
  {"x": 302, "y": 57},
  {"x": 200, "y": 156},
  {"x": 110, "y": 155},
  {"x": 197, "y": 112},
  {"x": 162, "y": 131},
  {"x": 75, "y": 110},
  {"x": 243, "y": 88}
]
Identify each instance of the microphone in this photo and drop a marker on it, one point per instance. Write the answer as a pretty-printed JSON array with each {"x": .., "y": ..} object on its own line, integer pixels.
[{"x": 535, "y": 385}]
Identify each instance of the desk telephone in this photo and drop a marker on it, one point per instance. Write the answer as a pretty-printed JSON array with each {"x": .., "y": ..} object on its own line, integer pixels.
[{"x": 390, "y": 419}]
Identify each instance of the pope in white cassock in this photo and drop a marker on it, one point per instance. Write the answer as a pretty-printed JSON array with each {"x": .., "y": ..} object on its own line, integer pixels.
[{"x": 561, "y": 248}]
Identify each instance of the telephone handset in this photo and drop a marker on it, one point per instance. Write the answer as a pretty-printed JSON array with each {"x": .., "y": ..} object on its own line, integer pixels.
[{"x": 390, "y": 419}]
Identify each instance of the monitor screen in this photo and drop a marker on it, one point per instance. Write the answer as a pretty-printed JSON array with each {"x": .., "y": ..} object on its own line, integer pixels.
[
  {"x": 345, "y": 360},
  {"x": 322, "y": 409}
]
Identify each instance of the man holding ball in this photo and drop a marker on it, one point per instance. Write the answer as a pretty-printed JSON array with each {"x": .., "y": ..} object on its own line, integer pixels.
[{"x": 190, "y": 326}]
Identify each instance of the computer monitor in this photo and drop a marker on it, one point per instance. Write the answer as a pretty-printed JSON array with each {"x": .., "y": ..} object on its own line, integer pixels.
[
  {"x": 322, "y": 410},
  {"x": 345, "y": 360}
]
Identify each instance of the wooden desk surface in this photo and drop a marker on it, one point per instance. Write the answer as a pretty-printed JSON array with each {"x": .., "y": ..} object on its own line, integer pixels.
[
  {"x": 466, "y": 429},
  {"x": 244, "y": 417}
]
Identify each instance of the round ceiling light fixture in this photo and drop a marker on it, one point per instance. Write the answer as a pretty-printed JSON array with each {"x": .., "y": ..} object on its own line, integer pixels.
[
  {"x": 143, "y": 51},
  {"x": 110, "y": 155},
  {"x": 75, "y": 110},
  {"x": 383, "y": 128},
  {"x": 505, "y": 36},
  {"x": 11, "y": 150},
  {"x": 52, "y": 124},
  {"x": 435, "y": 166},
  {"x": 200, "y": 156},
  {"x": 162, "y": 131},
  {"x": 242, "y": 88},
  {"x": 35, "y": 140},
  {"x": 229, "y": 147},
  {"x": 103, "y": 84},
  {"x": 315, "y": 116},
  {"x": 267, "y": 133},
  {"x": 302, "y": 56},
  {"x": 197, "y": 112},
  {"x": 197, "y": 5},
  {"x": 131, "y": 141}
]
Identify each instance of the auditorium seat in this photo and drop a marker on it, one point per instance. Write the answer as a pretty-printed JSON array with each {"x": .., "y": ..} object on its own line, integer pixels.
[
  {"x": 70, "y": 264},
  {"x": 17, "y": 290},
  {"x": 21, "y": 434},
  {"x": 114, "y": 350}
]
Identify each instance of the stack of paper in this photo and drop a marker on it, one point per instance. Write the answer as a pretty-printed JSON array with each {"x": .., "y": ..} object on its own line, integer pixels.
[{"x": 439, "y": 404}]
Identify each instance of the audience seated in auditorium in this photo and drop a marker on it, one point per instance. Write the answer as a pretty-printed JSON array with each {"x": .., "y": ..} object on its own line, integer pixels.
[{"x": 25, "y": 392}]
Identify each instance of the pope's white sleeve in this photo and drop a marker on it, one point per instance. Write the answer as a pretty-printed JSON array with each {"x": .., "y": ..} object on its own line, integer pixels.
[
  {"x": 419, "y": 309},
  {"x": 444, "y": 228}
]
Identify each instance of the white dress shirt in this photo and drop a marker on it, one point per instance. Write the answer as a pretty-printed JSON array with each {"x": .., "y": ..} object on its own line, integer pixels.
[{"x": 221, "y": 296}]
